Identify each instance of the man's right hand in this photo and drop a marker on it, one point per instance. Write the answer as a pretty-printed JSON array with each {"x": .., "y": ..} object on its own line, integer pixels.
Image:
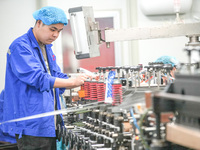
[
  {"x": 71, "y": 82},
  {"x": 79, "y": 80}
]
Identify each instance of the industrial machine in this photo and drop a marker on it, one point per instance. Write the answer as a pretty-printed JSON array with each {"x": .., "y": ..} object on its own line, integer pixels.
[
  {"x": 97, "y": 124},
  {"x": 150, "y": 115},
  {"x": 182, "y": 98},
  {"x": 145, "y": 113}
]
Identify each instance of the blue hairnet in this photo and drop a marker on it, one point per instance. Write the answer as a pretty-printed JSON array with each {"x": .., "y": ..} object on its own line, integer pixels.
[
  {"x": 50, "y": 15},
  {"x": 168, "y": 60}
]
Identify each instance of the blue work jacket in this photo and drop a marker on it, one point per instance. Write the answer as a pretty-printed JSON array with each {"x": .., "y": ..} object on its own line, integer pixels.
[
  {"x": 29, "y": 87},
  {"x": 5, "y": 136}
]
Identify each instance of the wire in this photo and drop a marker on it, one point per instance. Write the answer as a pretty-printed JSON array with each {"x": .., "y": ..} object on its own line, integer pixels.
[{"x": 134, "y": 119}]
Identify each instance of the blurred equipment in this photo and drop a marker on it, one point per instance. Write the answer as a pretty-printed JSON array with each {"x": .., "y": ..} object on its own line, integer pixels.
[
  {"x": 183, "y": 99},
  {"x": 85, "y": 32}
]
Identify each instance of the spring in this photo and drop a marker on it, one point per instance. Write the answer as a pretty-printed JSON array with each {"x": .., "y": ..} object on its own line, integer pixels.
[
  {"x": 87, "y": 89},
  {"x": 101, "y": 91},
  {"x": 93, "y": 90},
  {"x": 116, "y": 93}
]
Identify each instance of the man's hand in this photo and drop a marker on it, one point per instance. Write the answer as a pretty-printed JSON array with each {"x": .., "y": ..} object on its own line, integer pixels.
[
  {"x": 80, "y": 79},
  {"x": 71, "y": 82}
]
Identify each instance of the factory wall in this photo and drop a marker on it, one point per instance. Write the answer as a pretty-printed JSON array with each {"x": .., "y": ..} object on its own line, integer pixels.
[
  {"x": 16, "y": 18},
  {"x": 150, "y": 50}
]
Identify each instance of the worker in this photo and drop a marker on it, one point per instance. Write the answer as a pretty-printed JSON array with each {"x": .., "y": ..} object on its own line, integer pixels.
[
  {"x": 168, "y": 60},
  {"x": 34, "y": 81}
]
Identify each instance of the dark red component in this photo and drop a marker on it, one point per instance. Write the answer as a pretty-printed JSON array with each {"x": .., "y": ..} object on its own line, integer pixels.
[
  {"x": 93, "y": 90},
  {"x": 117, "y": 93},
  {"x": 101, "y": 86},
  {"x": 87, "y": 89}
]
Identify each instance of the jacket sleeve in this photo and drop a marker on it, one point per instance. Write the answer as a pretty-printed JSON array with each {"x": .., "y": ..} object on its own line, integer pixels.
[
  {"x": 28, "y": 69},
  {"x": 59, "y": 74}
]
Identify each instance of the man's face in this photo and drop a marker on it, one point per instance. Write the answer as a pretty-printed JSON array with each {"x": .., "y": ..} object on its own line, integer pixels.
[{"x": 46, "y": 34}]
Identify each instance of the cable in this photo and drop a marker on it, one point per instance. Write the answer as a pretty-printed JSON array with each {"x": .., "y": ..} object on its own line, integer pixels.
[{"x": 134, "y": 119}]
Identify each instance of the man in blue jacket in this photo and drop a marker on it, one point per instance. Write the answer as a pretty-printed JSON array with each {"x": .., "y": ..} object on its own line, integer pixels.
[{"x": 34, "y": 81}]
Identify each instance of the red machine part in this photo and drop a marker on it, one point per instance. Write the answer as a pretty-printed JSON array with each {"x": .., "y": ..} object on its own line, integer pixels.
[
  {"x": 93, "y": 90},
  {"x": 117, "y": 93},
  {"x": 101, "y": 86}
]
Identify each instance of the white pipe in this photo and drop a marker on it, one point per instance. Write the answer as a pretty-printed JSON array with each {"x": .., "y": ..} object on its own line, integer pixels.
[{"x": 164, "y": 7}]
